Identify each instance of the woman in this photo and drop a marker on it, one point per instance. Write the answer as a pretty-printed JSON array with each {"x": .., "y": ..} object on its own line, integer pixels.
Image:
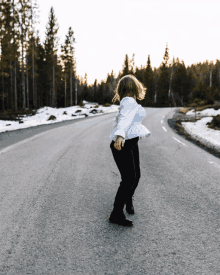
[{"x": 128, "y": 130}]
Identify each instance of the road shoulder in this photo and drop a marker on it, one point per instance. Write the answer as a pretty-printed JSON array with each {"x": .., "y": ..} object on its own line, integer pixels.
[{"x": 175, "y": 124}]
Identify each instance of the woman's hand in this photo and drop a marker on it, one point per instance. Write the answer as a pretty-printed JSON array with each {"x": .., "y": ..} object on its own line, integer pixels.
[{"x": 119, "y": 142}]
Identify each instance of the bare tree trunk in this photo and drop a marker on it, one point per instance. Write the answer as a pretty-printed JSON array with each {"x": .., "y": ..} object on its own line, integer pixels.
[
  {"x": 51, "y": 86},
  {"x": 34, "y": 92},
  {"x": 65, "y": 90},
  {"x": 76, "y": 93},
  {"x": 23, "y": 84},
  {"x": 53, "y": 89},
  {"x": 15, "y": 86},
  {"x": 7, "y": 98},
  {"x": 3, "y": 95},
  {"x": 219, "y": 76},
  {"x": 37, "y": 101},
  {"x": 12, "y": 101},
  {"x": 71, "y": 92},
  {"x": 15, "y": 76},
  {"x": 27, "y": 82},
  {"x": 182, "y": 96},
  {"x": 50, "y": 100},
  {"x": 170, "y": 87}
]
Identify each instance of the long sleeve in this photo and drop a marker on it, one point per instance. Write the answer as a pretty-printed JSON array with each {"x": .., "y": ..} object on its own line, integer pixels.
[{"x": 126, "y": 114}]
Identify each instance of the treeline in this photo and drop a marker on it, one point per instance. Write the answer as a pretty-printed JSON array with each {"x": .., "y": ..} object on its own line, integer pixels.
[
  {"x": 33, "y": 75},
  {"x": 170, "y": 85}
]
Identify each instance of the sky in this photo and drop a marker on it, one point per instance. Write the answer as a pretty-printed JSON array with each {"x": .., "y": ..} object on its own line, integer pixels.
[{"x": 106, "y": 30}]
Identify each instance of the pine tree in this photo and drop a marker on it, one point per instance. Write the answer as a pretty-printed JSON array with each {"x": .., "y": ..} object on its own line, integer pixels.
[
  {"x": 100, "y": 97},
  {"x": 34, "y": 16},
  {"x": 70, "y": 40},
  {"x": 32, "y": 56},
  {"x": 24, "y": 9},
  {"x": 64, "y": 56},
  {"x": 139, "y": 74},
  {"x": 51, "y": 47},
  {"x": 180, "y": 83},
  {"x": 68, "y": 59},
  {"x": 132, "y": 65},
  {"x": 5, "y": 37},
  {"x": 15, "y": 50},
  {"x": 166, "y": 56},
  {"x": 95, "y": 90},
  {"x": 41, "y": 73},
  {"x": 125, "y": 70},
  {"x": 85, "y": 87},
  {"x": 163, "y": 82},
  {"x": 148, "y": 81}
]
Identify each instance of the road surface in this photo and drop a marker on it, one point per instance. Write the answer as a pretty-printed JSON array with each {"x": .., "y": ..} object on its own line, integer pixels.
[{"x": 57, "y": 188}]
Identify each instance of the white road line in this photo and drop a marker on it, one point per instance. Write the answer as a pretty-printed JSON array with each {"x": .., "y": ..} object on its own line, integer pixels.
[
  {"x": 162, "y": 121},
  {"x": 163, "y": 116},
  {"x": 164, "y": 129},
  {"x": 180, "y": 141}
]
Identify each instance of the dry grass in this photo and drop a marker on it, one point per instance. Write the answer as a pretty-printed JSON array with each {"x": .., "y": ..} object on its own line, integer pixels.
[
  {"x": 30, "y": 112},
  {"x": 200, "y": 109},
  {"x": 215, "y": 123},
  {"x": 106, "y": 105},
  {"x": 185, "y": 110}
]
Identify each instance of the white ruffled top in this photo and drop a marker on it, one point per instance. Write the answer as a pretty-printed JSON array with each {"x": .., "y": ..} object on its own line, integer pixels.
[{"x": 127, "y": 122}]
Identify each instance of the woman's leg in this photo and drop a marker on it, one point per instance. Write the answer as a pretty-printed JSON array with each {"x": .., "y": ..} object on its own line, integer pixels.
[
  {"x": 126, "y": 164},
  {"x": 135, "y": 152}
]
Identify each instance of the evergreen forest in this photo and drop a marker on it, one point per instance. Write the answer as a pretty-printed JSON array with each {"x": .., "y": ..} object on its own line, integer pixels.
[{"x": 34, "y": 75}]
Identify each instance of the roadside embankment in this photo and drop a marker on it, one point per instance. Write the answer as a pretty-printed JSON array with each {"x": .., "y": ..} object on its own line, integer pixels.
[{"x": 201, "y": 128}]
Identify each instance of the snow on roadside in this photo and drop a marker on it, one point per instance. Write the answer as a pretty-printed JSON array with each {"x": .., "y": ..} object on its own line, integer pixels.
[
  {"x": 206, "y": 112},
  {"x": 42, "y": 115},
  {"x": 200, "y": 131}
]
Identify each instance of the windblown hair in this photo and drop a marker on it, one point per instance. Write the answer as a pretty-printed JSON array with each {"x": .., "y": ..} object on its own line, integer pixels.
[{"x": 128, "y": 85}]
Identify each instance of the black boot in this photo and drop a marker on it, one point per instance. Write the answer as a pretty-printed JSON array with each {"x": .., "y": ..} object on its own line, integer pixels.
[
  {"x": 119, "y": 219},
  {"x": 130, "y": 207}
]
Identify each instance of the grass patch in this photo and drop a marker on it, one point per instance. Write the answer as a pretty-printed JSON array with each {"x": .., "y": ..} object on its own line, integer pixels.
[
  {"x": 16, "y": 116},
  {"x": 215, "y": 123},
  {"x": 201, "y": 108},
  {"x": 185, "y": 110},
  {"x": 106, "y": 105},
  {"x": 51, "y": 118}
]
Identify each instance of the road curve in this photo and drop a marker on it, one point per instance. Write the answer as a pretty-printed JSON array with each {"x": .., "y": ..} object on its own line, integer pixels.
[{"x": 57, "y": 189}]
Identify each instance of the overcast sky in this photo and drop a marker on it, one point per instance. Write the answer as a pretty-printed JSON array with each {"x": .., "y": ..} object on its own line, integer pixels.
[{"x": 106, "y": 30}]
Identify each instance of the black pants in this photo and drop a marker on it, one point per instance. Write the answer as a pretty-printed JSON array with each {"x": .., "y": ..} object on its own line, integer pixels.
[{"x": 127, "y": 161}]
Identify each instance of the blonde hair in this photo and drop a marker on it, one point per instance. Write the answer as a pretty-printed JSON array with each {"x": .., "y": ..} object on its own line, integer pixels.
[{"x": 128, "y": 85}]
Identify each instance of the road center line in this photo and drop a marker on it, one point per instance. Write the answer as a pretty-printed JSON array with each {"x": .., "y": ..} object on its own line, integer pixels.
[
  {"x": 180, "y": 141},
  {"x": 162, "y": 121},
  {"x": 164, "y": 129}
]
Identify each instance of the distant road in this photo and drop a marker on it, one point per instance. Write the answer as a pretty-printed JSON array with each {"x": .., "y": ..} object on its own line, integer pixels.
[{"x": 57, "y": 188}]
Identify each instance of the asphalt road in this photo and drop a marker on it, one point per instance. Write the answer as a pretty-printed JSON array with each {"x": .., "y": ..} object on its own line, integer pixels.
[{"x": 57, "y": 188}]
